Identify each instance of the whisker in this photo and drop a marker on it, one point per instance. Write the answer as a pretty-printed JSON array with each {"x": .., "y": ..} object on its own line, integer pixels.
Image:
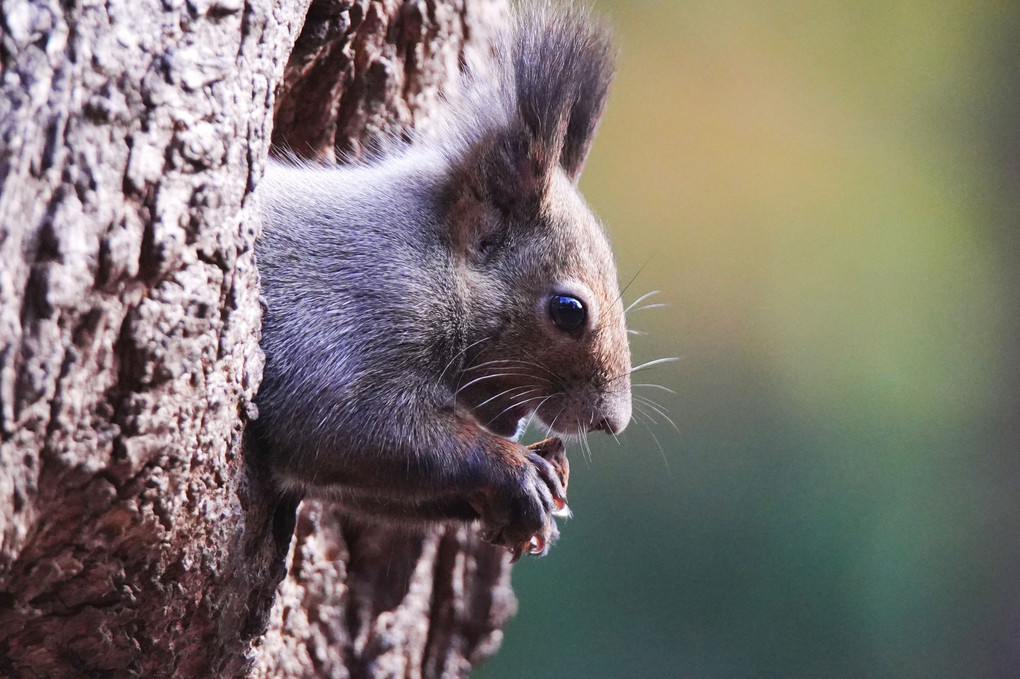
[
  {"x": 521, "y": 362},
  {"x": 532, "y": 398},
  {"x": 641, "y": 299},
  {"x": 488, "y": 363},
  {"x": 552, "y": 424},
  {"x": 487, "y": 377},
  {"x": 650, "y": 306},
  {"x": 517, "y": 363},
  {"x": 649, "y": 364},
  {"x": 458, "y": 355},
  {"x": 657, "y": 361},
  {"x": 586, "y": 448},
  {"x": 645, "y": 413},
  {"x": 505, "y": 392},
  {"x": 535, "y": 412},
  {"x": 511, "y": 406},
  {"x": 534, "y": 362},
  {"x": 633, "y": 278},
  {"x": 651, "y": 401},
  {"x": 662, "y": 453},
  {"x": 584, "y": 434},
  {"x": 531, "y": 418},
  {"x": 654, "y": 406},
  {"x": 623, "y": 291},
  {"x": 631, "y": 331}
]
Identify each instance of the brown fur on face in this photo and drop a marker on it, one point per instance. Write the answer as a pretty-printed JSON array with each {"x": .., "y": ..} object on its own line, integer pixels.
[
  {"x": 522, "y": 363},
  {"x": 522, "y": 233}
]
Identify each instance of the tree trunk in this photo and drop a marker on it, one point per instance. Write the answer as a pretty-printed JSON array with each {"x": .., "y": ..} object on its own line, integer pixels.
[{"x": 134, "y": 540}]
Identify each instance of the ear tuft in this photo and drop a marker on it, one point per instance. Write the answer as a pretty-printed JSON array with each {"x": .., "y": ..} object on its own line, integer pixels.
[
  {"x": 562, "y": 62},
  {"x": 534, "y": 108}
]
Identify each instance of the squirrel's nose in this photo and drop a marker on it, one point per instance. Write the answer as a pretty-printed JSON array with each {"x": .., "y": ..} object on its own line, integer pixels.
[{"x": 614, "y": 418}]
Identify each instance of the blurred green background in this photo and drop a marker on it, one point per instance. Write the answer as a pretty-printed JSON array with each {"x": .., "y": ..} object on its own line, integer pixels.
[{"x": 827, "y": 193}]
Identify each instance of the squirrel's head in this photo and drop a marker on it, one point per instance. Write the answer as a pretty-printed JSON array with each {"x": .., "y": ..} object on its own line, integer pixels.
[{"x": 545, "y": 330}]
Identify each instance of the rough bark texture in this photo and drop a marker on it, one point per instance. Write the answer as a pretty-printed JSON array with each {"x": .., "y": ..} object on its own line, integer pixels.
[
  {"x": 134, "y": 541},
  {"x": 361, "y": 71}
]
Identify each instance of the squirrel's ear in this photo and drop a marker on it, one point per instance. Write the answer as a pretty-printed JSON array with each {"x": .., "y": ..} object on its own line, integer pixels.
[
  {"x": 504, "y": 168},
  {"x": 519, "y": 166},
  {"x": 563, "y": 64},
  {"x": 493, "y": 178}
]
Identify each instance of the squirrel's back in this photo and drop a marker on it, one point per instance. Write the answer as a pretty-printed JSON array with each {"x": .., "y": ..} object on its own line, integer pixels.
[{"x": 357, "y": 288}]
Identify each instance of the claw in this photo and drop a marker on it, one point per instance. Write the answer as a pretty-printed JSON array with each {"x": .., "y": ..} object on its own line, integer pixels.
[{"x": 536, "y": 545}]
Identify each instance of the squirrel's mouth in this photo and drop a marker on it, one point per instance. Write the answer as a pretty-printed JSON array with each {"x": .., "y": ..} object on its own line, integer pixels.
[
  {"x": 507, "y": 424},
  {"x": 503, "y": 407},
  {"x": 498, "y": 413},
  {"x": 562, "y": 415}
]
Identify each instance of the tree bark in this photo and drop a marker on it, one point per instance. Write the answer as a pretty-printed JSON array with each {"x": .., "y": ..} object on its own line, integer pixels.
[{"x": 134, "y": 539}]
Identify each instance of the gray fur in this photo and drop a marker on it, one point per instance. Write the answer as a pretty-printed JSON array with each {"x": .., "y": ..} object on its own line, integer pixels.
[{"x": 406, "y": 317}]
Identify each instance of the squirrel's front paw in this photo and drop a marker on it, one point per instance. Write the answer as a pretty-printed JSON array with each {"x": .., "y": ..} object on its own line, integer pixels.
[
  {"x": 519, "y": 514},
  {"x": 553, "y": 452}
]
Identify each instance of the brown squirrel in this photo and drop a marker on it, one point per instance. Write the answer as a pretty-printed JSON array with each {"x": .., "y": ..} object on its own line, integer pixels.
[{"x": 420, "y": 306}]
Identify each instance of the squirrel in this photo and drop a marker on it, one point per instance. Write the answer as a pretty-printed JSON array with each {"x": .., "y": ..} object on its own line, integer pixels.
[{"x": 422, "y": 305}]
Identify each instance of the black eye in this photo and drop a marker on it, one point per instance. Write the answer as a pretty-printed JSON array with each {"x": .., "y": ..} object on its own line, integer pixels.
[{"x": 567, "y": 313}]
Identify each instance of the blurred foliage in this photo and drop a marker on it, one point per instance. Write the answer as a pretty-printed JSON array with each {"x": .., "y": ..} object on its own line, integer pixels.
[{"x": 827, "y": 194}]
